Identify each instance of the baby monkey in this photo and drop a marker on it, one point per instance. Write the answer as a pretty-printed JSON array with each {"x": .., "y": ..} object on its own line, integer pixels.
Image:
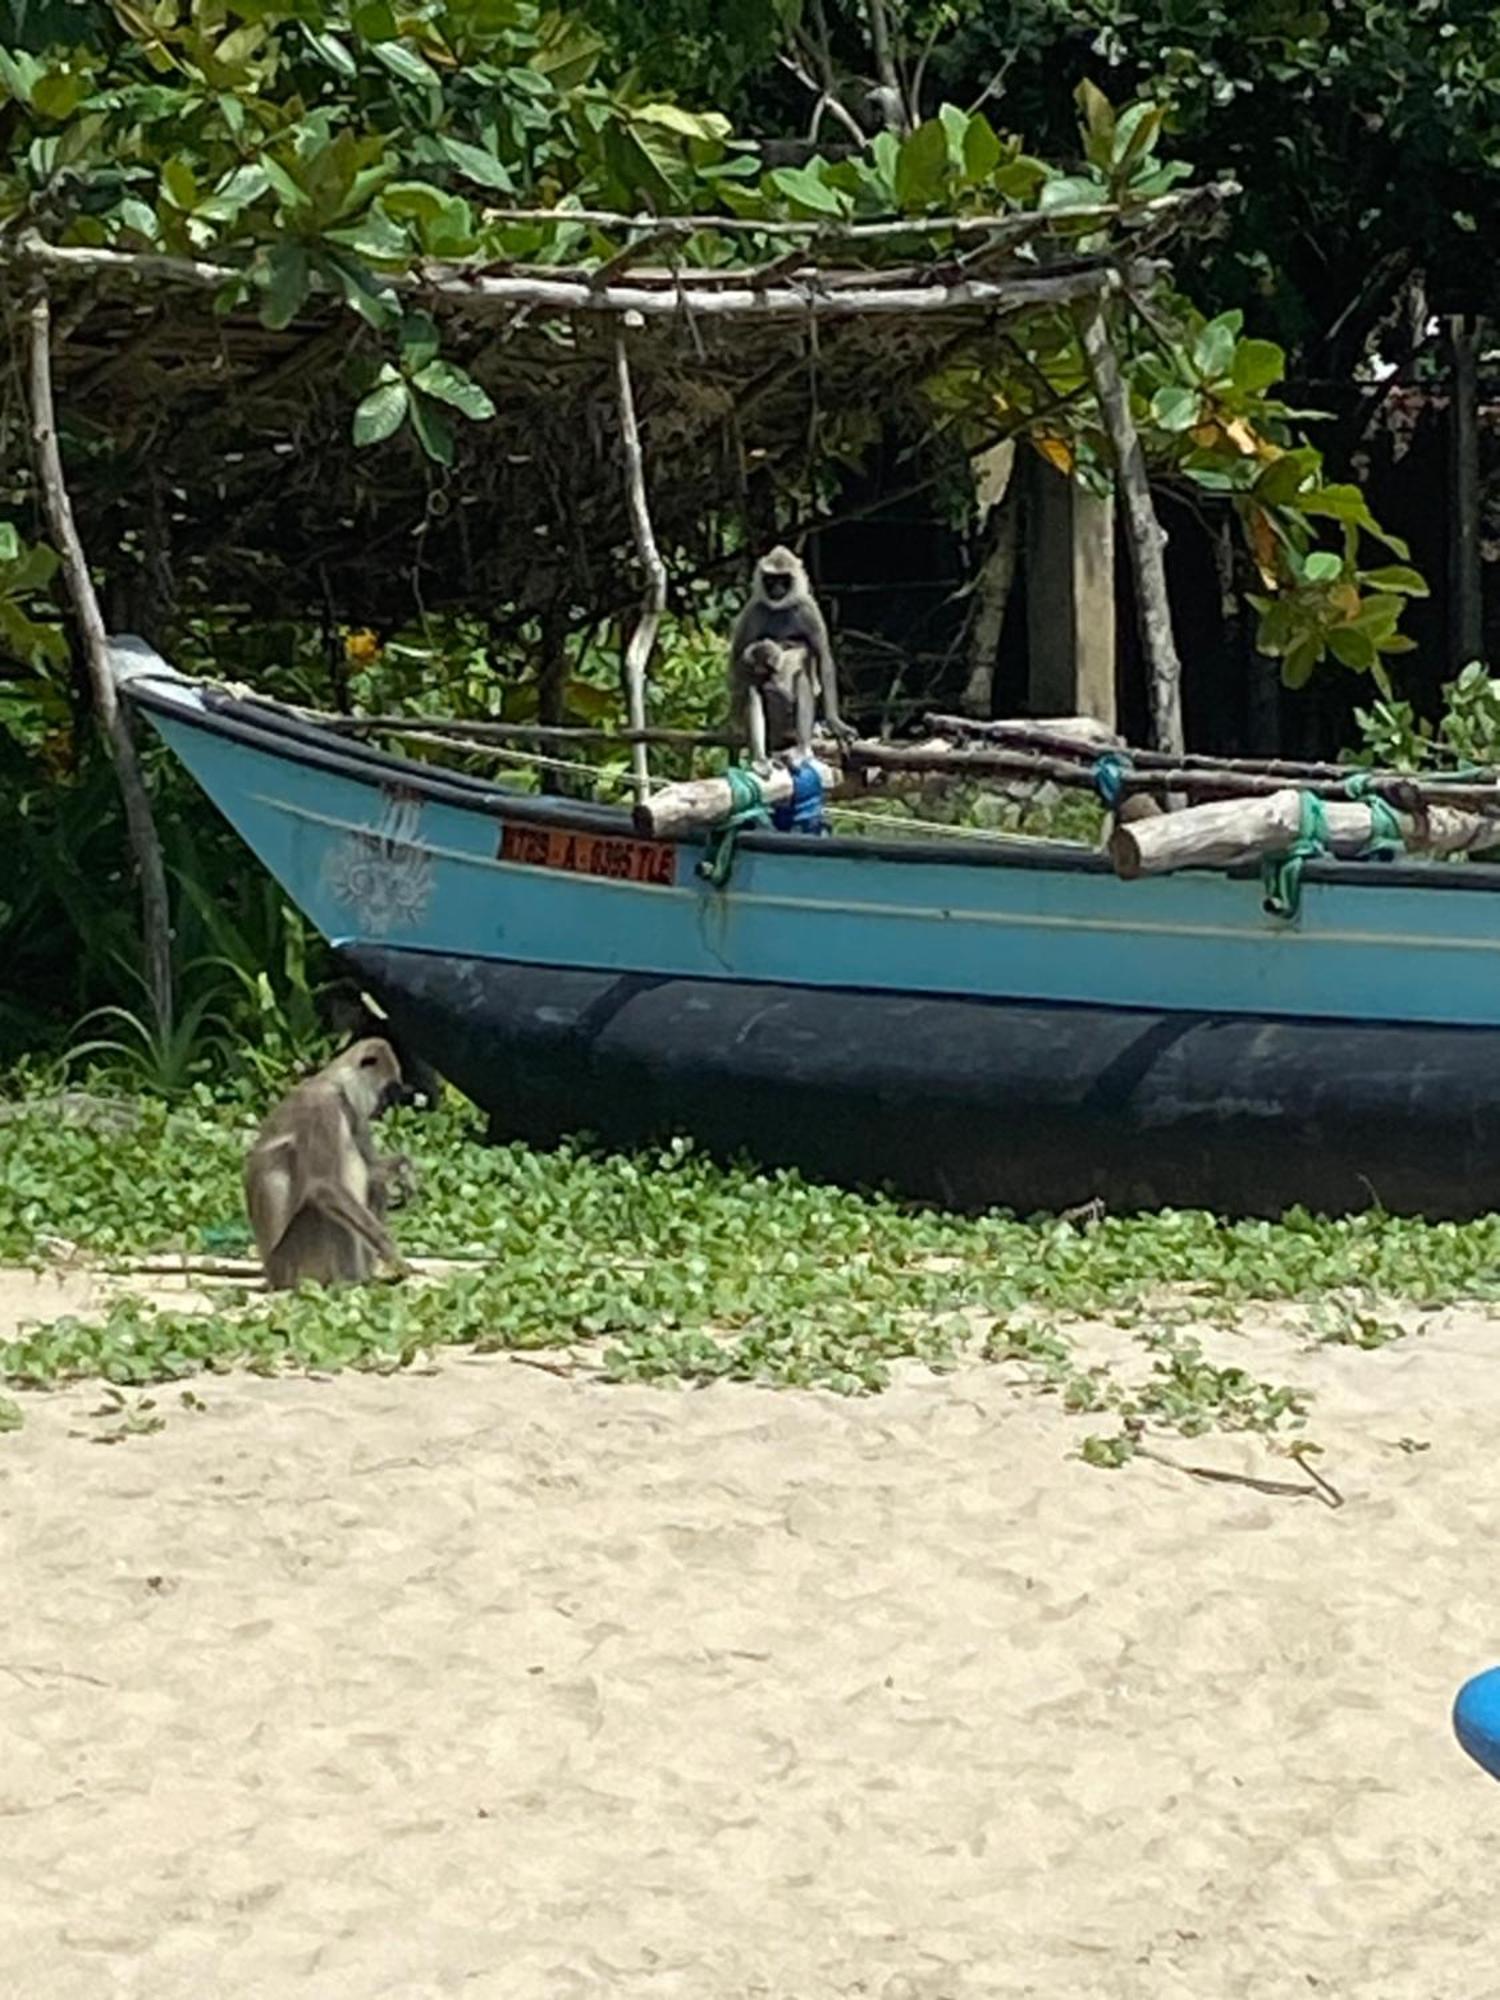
[
  {"x": 786, "y": 708},
  {"x": 315, "y": 1187},
  {"x": 780, "y": 651}
]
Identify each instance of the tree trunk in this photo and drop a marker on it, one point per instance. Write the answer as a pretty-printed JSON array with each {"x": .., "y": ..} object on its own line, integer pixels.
[
  {"x": 552, "y": 686},
  {"x": 1142, "y": 530},
  {"x": 1466, "y": 613},
  {"x": 156, "y": 923},
  {"x": 892, "y": 103},
  {"x": 654, "y": 602},
  {"x": 997, "y": 575}
]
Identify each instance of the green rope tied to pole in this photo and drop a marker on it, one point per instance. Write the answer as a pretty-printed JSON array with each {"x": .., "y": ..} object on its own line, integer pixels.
[
  {"x": 747, "y": 808},
  {"x": 1385, "y": 827},
  {"x": 1281, "y": 874}
]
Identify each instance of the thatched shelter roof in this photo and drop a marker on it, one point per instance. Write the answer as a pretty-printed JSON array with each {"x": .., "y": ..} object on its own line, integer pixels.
[{"x": 222, "y": 453}]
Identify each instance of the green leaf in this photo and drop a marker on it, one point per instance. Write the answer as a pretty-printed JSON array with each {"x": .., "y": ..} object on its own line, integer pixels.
[
  {"x": 403, "y": 61},
  {"x": 381, "y": 414},
  {"x": 139, "y": 217},
  {"x": 419, "y": 340},
  {"x": 1137, "y": 130},
  {"x": 920, "y": 167},
  {"x": 1379, "y": 617},
  {"x": 20, "y": 74},
  {"x": 1257, "y": 365},
  {"x": 1296, "y": 668},
  {"x": 27, "y": 639},
  {"x": 1213, "y": 350},
  {"x": 807, "y": 189},
  {"x": 983, "y": 151},
  {"x": 288, "y": 191},
  {"x": 1352, "y": 648},
  {"x": 375, "y": 239},
  {"x": 180, "y": 185},
  {"x": 240, "y": 45},
  {"x": 332, "y": 51},
  {"x": 478, "y": 165},
  {"x": 434, "y": 429},
  {"x": 1397, "y": 577},
  {"x": 1348, "y": 504},
  {"x": 1280, "y": 485},
  {"x": 34, "y": 569},
  {"x": 1021, "y": 179},
  {"x": 1322, "y": 567},
  {"x": 1098, "y": 116},
  {"x": 288, "y": 272},
  {"x": 414, "y": 201},
  {"x": 1176, "y": 408},
  {"x": 1071, "y": 191},
  {"x": 235, "y": 193},
  {"x": 374, "y": 21},
  {"x": 956, "y": 124},
  {"x": 706, "y": 126},
  {"x": 375, "y": 304},
  {"x": 568, "y": 52},
  {"x": 1338, "y": 503},
  {"x": 60, "y": 95},
  {"x": 451, "y": 385},
  {"x": 10, "y": 542}
]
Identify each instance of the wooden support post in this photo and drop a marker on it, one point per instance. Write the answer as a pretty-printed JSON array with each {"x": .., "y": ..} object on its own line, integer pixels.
[
  {"x": 1466, "y": 600},
  {"x": 999, "y": 493},
  {"x": 643, "y": 638},
  {"x": 1142, "y": 529},
  {"x": 156, "y": 920},
  {"x": 1070, "y": 596}
]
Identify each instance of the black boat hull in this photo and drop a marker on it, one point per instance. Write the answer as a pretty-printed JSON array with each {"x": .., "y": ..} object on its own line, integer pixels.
[{"x": 965, "y": 1103}]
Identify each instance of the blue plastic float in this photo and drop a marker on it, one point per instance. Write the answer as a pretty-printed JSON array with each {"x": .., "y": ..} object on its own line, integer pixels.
[{"x": 1476, "y": 1719}]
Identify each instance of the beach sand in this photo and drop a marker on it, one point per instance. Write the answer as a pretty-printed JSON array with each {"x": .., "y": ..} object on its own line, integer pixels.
[{"x": 494, "y": 1681}]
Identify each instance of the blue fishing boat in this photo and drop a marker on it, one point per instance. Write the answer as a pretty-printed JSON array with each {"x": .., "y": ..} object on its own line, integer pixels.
[{"x": 1005, "y": 1023}]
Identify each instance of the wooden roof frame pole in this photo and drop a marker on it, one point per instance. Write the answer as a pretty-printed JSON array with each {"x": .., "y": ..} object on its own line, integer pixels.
[
  {"x": 1143, "y": 532},
  {"x": 654, "y": 603},
  {"x": 156, "y": 919}
]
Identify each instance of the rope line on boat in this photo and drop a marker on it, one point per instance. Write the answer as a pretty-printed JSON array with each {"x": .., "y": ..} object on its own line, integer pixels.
[
  {"x": 600, "y": 776},
  {"x": 1281, "y": 874},
  {"x": 747, "y": 808}
]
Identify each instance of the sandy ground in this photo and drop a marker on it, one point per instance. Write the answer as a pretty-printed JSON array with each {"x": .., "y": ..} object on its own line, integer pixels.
[{"x": 490, "y": 1682}]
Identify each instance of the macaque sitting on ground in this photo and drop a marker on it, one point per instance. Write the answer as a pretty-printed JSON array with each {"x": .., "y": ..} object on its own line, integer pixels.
[{"x": 315, "y": 1187}]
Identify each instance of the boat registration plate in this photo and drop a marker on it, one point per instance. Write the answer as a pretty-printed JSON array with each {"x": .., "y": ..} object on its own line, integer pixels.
[{"x": 602, "y": 855}]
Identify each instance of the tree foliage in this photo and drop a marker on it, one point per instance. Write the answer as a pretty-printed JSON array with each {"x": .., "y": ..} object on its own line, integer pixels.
[{"x": 338, "y": 147}]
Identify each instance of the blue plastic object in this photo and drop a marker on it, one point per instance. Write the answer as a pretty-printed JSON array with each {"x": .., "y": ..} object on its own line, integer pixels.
[
  {"x": 1476, "y": 1719},
  {"x": 803, "y": 811}
]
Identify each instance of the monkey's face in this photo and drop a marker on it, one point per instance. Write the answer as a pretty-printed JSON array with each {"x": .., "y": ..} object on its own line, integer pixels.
[
  {"x": 778, "y": 575},
  {"x": 762, "y": 662},
  {"x": 374, "y": 1075}
]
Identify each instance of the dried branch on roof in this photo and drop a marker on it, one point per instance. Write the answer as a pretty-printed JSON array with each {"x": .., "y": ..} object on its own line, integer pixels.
[{"x": 271, "y": 506}]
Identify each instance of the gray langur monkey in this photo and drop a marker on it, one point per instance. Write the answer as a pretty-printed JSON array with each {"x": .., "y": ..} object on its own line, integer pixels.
[
  {"x": 350, "y": 1011},
  {"x": 315, "y": 1187},
  {"x": 783, "y": 614}
]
